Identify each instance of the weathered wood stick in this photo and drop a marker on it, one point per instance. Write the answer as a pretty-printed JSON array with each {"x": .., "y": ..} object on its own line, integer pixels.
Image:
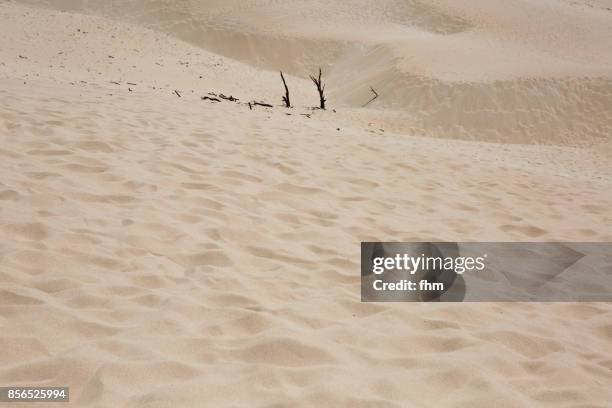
[
  {"x": 375, "y": 96},
  {"x": 286, "y": 97},
  {"x": 228, "y": 98}
]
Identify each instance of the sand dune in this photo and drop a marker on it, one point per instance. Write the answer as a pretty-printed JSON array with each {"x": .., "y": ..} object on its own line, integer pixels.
[
  {"x": 158, "y": 251},
  {"x": 479, "y": 70}
]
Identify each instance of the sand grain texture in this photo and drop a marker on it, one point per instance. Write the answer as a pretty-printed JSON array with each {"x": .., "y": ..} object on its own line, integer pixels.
[{"x": 158, "y": 251}]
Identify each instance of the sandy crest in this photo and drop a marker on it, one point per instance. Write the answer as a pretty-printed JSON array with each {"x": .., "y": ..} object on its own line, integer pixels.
[{"x": 158, "y": 251}]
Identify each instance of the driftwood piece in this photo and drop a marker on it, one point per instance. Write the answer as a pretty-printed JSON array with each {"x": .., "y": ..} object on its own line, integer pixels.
[
  {"x": 228, "y": 98},
  {"x": 210, "y": 98},
  {"x": 267, "y": 105},
  {"x": 320, "y": 89},
  {"x": 286, "y": 99},
  {"x": 375, "y": 96},
  {"x": 177, "y": 93}
]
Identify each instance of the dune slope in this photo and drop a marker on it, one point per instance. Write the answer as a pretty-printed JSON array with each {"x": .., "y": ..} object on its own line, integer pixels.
[{"x": 164, "y": 251}]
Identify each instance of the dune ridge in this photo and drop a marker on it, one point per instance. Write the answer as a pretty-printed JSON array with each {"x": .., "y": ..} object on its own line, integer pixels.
[{"x": 525, "y": 72}]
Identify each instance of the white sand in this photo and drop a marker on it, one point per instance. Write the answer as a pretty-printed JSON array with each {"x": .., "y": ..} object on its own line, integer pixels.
[
  {"x": 158, "y": 251},
  {"x": 523, "y": 71}
]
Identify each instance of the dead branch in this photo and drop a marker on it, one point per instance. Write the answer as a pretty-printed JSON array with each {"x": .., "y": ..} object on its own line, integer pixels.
[
  {"x": 228, "y": 98},
  {"x": 267, "y": 105},
  {"x": 375, "y": 96},
  {"x": 177, "y": 93},
  {"x": 320, "y": 89},
  {"x": 208, "y": 98},
  {"x": 286, "y": 97}
]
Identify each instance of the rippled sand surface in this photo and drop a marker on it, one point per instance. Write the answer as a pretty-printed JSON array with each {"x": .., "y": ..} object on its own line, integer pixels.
[{"x": 164, "y": 251}]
